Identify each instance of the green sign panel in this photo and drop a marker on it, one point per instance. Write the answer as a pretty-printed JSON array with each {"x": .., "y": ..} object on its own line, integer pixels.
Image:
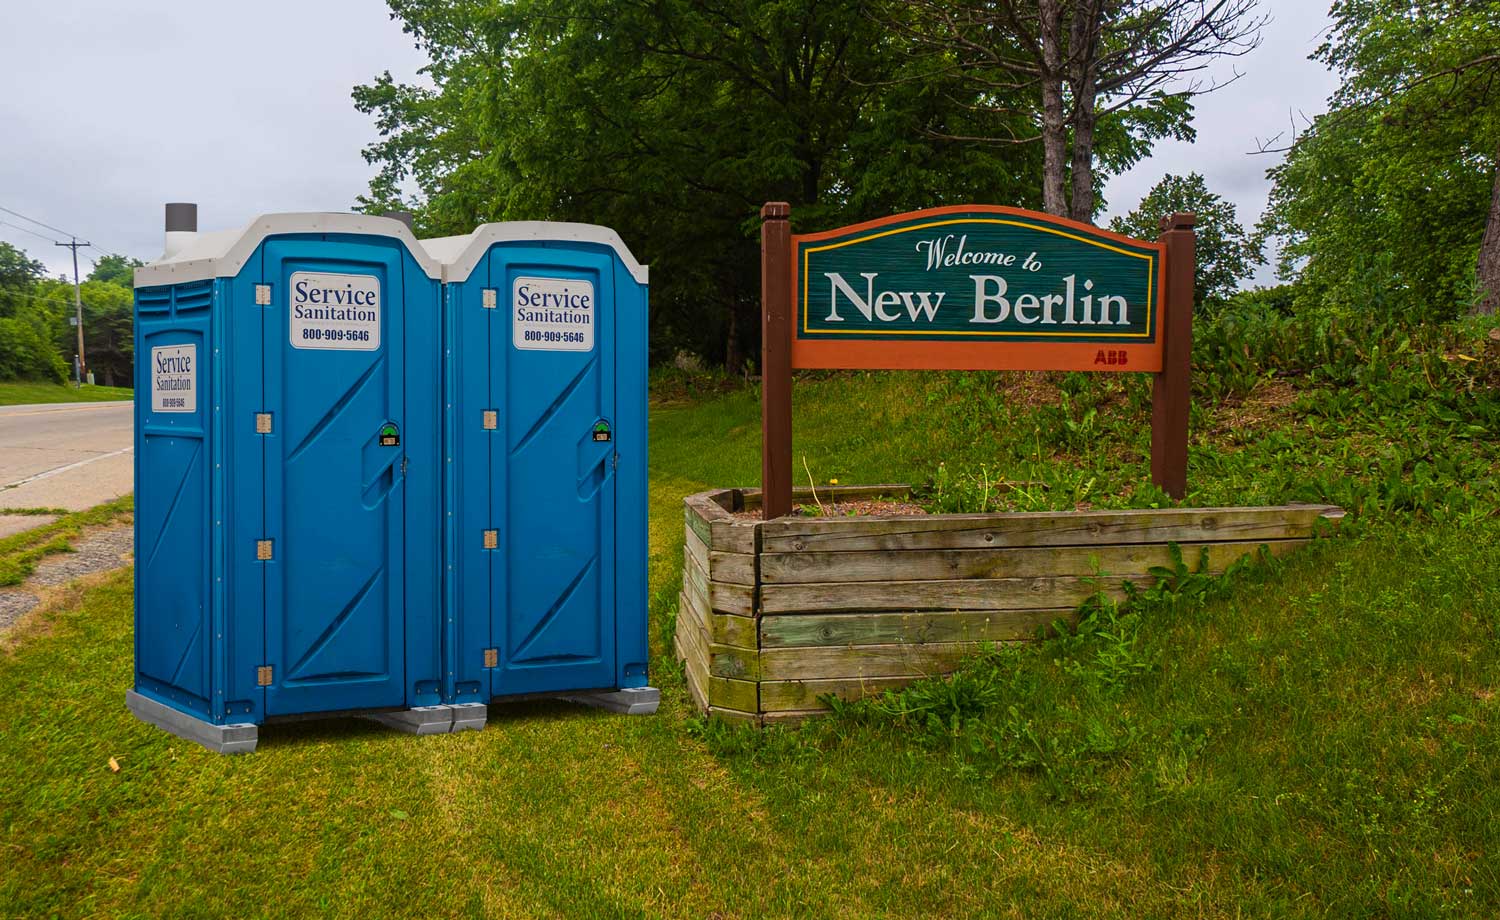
[{"x": 973, "y": 274}]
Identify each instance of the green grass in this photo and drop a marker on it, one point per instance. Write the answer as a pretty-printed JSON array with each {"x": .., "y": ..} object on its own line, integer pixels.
[
  {"x": 19, "y": 553},
  {"x": 23, "y": 392},
  {"x": 1320, "y": 739}
]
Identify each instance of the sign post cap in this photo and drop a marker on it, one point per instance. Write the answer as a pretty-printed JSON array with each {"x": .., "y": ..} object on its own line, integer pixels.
[
  {"x": 1179, "y": 220},
  {"x": 775, "y": 210}
]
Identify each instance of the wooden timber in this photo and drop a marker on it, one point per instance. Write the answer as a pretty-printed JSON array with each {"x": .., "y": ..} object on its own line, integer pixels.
[{"x": 775, "y": 616}]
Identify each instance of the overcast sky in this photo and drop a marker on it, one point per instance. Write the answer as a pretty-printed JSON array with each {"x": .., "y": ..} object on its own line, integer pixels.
[{"x": 111, "y": 109}]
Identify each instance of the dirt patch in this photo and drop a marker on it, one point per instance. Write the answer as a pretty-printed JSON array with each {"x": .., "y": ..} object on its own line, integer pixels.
[
  {"x": 1266, "y": 402},
  {"x": 98, "y": 551},
  {"x": 869, "y": 507}
]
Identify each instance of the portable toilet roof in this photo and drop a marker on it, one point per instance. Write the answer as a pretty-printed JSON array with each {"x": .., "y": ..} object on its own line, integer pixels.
[
  {"x": 459, "y": 255},
  {"x": 193, "y": 256}
]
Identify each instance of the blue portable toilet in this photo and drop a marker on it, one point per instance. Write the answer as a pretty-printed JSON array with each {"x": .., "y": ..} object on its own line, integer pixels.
[
  {"x": 287, "y": 438},
  {"x": 545, "y": 465}
]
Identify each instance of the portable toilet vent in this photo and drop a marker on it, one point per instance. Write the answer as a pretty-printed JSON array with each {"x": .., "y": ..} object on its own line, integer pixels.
[
  {"x": 287, "y": 439},
  {"x": 545, "y": 450}
]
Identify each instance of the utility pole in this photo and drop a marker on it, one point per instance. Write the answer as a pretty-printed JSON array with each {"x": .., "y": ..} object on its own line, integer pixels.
[{"x": 77, "y": 307}]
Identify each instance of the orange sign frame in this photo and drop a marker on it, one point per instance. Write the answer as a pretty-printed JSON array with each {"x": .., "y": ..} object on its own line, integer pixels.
[{"x": 991, "y": 354}]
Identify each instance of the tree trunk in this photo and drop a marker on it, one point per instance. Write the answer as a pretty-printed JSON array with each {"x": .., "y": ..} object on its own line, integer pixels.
[
  {"x": 1054, "y": 127},
  {"x": 1488, "y": 270},
  {"x": 1083, "y": 51},
  {"x": 734, "y": 359}
]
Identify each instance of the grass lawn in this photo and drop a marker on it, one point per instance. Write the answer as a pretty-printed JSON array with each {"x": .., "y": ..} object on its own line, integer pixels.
[
  {"x": 1321, "y": 740},
  {"x": 25, "y": 392}
]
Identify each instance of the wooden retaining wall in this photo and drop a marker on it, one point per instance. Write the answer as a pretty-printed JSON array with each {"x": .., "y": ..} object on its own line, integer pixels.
[{"x": 773, "y": 615}]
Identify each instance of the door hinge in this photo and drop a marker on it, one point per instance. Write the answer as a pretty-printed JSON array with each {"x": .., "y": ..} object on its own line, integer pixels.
[
  {"x": 491, "y": 420},
  {"x": 262, "y": 550},
  {"x": 491, "y": 657},
  {"x": 487, "y": 296},
  {"x": 491, "y": 539},
  {"x": 264, "y": 676},
  {"x": 262, "y": 423},
  {"x": 615, "y": 463},
  {"x": 262, "y": 295},
  {"x": 405, "y": 462}
]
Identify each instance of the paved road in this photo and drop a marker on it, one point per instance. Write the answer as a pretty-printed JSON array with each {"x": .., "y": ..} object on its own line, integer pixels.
[{"x": 64, "y": 455}]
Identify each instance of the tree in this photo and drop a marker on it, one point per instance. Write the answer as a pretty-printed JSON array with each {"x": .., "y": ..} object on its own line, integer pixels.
[
  {"x": 1395, "y": 192},
  {"x": 673, "y": 121},
  {"x": 116, "y": 269},
  {"x": 1227, "y": 254},
  {"x": 1091, "y": 68},
  {"x": 19, "y": 274}
]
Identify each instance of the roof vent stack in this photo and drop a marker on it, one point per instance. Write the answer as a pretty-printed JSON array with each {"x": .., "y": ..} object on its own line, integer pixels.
[{"x": 182, "y": 227}]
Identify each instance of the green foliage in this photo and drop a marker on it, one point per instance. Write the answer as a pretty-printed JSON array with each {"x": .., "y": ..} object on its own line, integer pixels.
[
  {"x": 1226, "y": 254},
  {"x": 672, "y": 121},
  {"x": 1393, "y": 184},
  {"x": 37, "y": 342}
]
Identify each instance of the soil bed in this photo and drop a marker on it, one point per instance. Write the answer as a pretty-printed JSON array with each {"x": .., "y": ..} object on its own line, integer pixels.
[{"x": 866, "y": 507}]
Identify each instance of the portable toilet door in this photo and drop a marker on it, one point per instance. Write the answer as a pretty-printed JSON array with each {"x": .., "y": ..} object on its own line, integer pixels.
[
  {"x": 325, "y": 441},
  {"x": 546, "y": 351}
]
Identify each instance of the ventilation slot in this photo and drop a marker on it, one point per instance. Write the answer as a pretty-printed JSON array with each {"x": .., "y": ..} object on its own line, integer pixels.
[
  {"x": 196, "y": 295},
  {"x": 153, "y": 300}
]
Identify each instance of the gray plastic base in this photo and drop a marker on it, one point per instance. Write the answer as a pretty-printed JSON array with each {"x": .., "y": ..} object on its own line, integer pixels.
[
  {"x": 239, "y": 738},
  {"x": 469, "y": 717},
  {"x": 635, "y": 701},
  {"x": 419, "y": 720}
]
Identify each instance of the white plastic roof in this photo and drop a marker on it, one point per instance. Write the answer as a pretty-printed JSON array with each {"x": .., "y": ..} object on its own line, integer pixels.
[
  {"x": 459, "y": 255},
  {"x": 222, "y": 254}
]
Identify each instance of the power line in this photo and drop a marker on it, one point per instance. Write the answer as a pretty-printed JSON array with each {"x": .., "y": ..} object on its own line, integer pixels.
[
  {"x": 37, "y": 222},
  {"x": 6, "y": 223}
]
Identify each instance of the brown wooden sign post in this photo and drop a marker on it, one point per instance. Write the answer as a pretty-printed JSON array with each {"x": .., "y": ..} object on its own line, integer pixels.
[{"x": 975, "y": 287}]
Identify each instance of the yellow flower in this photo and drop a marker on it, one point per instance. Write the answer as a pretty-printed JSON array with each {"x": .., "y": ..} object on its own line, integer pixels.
[{"x": 833, "y": 482}]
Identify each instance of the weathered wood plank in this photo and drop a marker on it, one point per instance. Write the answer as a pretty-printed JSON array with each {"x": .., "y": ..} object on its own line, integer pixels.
[
  {"x": 732, "y": 568},
  {"x": 789, "y": 631},
  {"x": 804, "y": 695},
  {"x": 791, "y": 718},
  {"x": 734, "y": 715},
  {"x": 718, "y": 628},
  {"x": 1067, "y": 528},
  {"x": 908, "y": 596},
  {"x": 726, "y": 629},
  {"x": 743, "y": 695},
  {"x": 733, "y": 661},
  {"x": 697, "y": 550},
  {"x": 735, "y": 599},
  {"x": 720, "y": 531},
  {"x": 695, "y": 675},
  {"x": 695, "y": 588},
  {"x": 863, "y": 661},
  {"x": 722, "y": 598},
  {"x": 692, "y": 638},
  {"x": 1012, "y": 562}
]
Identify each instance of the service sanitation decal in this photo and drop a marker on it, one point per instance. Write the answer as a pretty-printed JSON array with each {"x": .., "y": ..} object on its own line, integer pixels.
[
  {"x": 1065, "y": 293},
  {"x": 174, "y": 378},
  {"x": 338, "y": 312},
  {"x": 552, "y": 314}
]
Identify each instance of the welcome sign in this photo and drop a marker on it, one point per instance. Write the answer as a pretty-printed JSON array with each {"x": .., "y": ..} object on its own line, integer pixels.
[{"x": 976, "y": 287}]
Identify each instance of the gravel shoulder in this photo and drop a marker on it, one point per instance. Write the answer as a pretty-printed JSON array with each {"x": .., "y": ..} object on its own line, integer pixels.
[{"x": 99, "y": 550}]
